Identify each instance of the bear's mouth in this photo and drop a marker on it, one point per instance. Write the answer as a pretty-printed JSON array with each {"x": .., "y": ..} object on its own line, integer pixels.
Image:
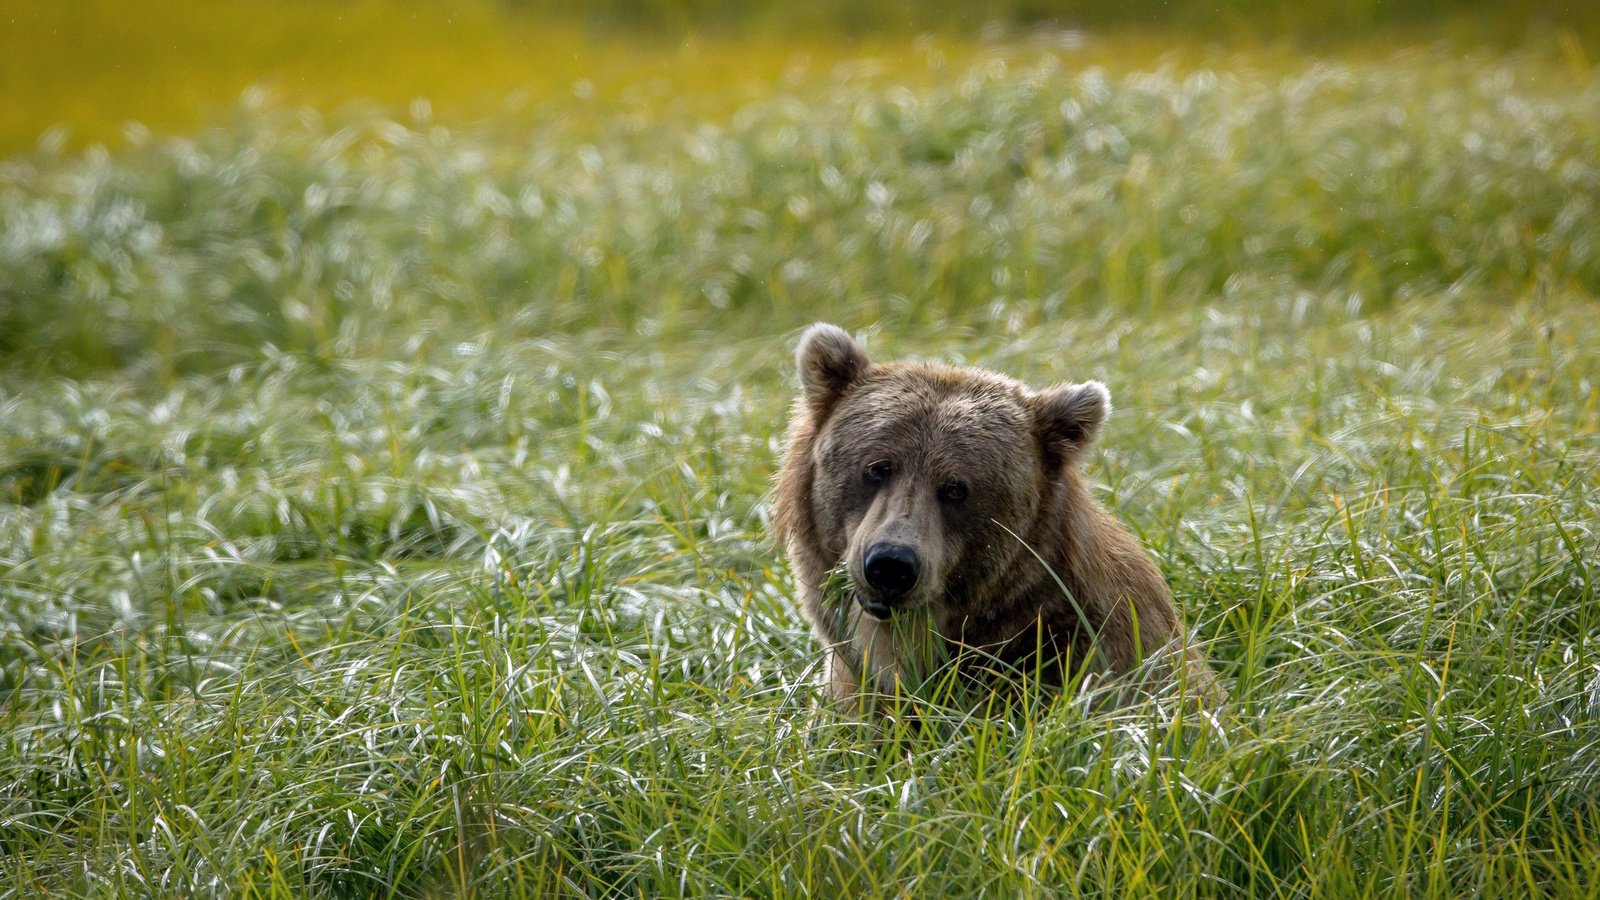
[{"x": 873, "y": 608}]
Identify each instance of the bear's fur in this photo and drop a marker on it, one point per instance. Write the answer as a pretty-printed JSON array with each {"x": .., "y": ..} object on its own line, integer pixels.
[{"x": 964, "y": 485}]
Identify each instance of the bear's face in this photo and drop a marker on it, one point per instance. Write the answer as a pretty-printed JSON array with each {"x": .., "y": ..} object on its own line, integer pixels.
[
  {"x": 917, "y": 478},
  {"x": 926, "y": 480}
]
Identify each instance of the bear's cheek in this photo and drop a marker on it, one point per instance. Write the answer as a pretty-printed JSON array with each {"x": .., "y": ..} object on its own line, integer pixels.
[
  {"x": 835, "y": 511},
  {"x": 987, "y": 538},
  {"x": 969, "y": 560}
]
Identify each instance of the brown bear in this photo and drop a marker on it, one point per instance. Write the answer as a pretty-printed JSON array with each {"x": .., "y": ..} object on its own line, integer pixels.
[{"x": 951, "y": 499}]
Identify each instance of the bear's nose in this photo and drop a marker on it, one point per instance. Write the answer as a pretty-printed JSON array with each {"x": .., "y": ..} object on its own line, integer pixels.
[{"x": 891, "y": 570}]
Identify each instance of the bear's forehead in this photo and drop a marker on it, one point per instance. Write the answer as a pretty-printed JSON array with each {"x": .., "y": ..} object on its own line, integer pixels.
[{"x": 932, "y": 410}]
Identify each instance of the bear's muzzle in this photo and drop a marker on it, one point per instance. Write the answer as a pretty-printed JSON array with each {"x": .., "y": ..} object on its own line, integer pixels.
[{"x": 891, "y": 571}]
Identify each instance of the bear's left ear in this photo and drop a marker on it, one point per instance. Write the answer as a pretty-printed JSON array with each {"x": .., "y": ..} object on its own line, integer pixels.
[
  {"x": 829, "y": 361},
  {"x": 1067, "y": 418}
]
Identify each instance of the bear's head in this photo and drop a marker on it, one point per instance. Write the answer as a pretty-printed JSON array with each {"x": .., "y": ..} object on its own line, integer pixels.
[{"x": 927, "y": 481}]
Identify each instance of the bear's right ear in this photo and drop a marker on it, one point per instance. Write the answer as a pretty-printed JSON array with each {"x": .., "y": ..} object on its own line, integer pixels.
[{"x": 829, "y": 361}]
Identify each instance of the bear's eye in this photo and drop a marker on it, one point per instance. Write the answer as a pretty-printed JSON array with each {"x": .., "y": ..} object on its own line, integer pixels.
[
  {"x": 952, "y": 491},
  {"x": 879, "y": 472}
]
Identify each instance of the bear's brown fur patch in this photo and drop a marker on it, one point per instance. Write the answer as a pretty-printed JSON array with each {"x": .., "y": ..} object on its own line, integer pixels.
[{"x": 952, "y": 499}]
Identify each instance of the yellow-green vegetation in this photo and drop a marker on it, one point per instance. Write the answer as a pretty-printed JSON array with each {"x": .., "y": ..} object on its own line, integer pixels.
[
  {"x": 97, "y": 70},
  {"x": 89, "y": 71},
  {"x": 383, "y": 504}
]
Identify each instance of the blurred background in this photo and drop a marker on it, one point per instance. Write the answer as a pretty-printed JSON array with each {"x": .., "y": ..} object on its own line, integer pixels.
[{"x": 94, "y": 67}]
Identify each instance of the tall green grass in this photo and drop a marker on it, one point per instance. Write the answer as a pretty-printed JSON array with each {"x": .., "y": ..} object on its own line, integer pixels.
[{"x": 382, "y": 506}]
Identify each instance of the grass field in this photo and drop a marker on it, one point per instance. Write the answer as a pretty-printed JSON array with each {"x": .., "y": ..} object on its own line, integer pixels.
[{"x": 383, "y": 504}]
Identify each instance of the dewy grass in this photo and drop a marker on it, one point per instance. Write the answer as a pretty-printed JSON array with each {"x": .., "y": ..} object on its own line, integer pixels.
[{"x": 383, "y": 510}]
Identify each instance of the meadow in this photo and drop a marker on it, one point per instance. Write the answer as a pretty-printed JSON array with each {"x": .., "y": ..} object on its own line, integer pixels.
[{"x": 384, "y": 502}]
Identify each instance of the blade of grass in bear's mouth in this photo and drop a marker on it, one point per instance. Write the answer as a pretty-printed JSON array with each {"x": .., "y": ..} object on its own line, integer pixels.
[{"x": 837, "y": 591}]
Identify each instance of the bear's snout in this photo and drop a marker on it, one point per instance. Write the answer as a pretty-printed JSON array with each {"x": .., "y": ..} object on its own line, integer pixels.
[{"x": 891, "y": 571}]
